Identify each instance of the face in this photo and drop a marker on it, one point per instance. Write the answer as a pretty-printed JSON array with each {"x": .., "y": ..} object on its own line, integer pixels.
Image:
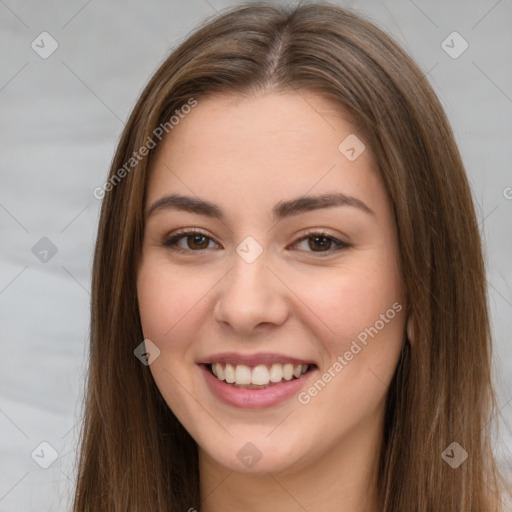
[{"x": 299, "y": 302}]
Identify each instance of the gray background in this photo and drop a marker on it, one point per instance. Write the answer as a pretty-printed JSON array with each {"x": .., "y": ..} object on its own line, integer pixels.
[{"x": 61, "y": 118}]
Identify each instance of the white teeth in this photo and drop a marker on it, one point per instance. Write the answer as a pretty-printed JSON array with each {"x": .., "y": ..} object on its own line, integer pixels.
[
  {"x": 261, "y": 375},
  {"x": 229, "y": 373},
  {"x": 288, "y": 371},
  {"x": 220, "y": 371},
  {"x": 242, "y": 374},
  {"x": 276, "y": 373}
]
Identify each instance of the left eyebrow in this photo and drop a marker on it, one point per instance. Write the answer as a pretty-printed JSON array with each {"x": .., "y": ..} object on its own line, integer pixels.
[{"x": 280, "y": 211}]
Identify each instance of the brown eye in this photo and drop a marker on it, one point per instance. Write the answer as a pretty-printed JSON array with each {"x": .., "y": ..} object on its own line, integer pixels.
[
  {"x": 322, "y": 243},
  {"x": 192, "y": 240},
  {"x": 195, "y": 241}
]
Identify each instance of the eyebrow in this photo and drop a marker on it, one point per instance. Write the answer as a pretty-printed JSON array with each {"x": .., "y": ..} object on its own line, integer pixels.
[{"x": 280, "y": 211}]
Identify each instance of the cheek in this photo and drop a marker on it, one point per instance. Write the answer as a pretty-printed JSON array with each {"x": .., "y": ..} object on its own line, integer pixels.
[
  {"x": 364, "y": 311},
  {"x": 353, "y": 299},
  {"x": 167, "y": 305},
  {"x": 166, "y": 301}
]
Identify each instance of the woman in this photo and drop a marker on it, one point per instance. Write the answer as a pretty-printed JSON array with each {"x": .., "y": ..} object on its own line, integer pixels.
[{"x": 268, "y": 375}]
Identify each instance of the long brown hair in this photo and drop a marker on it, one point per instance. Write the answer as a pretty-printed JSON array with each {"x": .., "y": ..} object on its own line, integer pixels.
[{"x": 135, "y": 455}]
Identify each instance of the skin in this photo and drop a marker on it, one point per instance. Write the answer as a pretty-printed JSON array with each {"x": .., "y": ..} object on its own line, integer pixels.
[{"x": 246, "y": 154}]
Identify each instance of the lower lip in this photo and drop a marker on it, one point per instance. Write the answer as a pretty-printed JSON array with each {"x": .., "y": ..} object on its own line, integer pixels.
[{"x": 254, "y": 398}]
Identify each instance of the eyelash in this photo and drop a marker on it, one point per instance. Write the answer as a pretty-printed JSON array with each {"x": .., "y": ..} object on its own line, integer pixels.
[{"x": 171, "y": 242}]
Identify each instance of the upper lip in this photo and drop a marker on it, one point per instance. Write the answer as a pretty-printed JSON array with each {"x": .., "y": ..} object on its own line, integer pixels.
[{"x": 253, "y": 359}]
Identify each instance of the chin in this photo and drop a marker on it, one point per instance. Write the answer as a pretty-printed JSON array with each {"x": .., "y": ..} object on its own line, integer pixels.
[
  {"x": 250, "y": 460},
  {"x": 253, "y": 450}
]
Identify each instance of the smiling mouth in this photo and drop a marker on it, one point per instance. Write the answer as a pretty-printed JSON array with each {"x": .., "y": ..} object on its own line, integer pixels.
[{"x": 260, "y": 376}]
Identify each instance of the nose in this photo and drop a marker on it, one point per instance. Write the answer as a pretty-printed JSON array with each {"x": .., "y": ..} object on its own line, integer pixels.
[{"x": 251, "y": 298}]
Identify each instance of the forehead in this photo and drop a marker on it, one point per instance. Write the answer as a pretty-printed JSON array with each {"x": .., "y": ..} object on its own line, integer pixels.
[
  {"x": 250, "y": 150},
  {"x": 280, "y": 124}
]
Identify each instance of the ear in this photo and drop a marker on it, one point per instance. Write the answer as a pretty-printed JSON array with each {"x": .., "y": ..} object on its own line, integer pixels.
[{"x": 410, "y": 331}]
